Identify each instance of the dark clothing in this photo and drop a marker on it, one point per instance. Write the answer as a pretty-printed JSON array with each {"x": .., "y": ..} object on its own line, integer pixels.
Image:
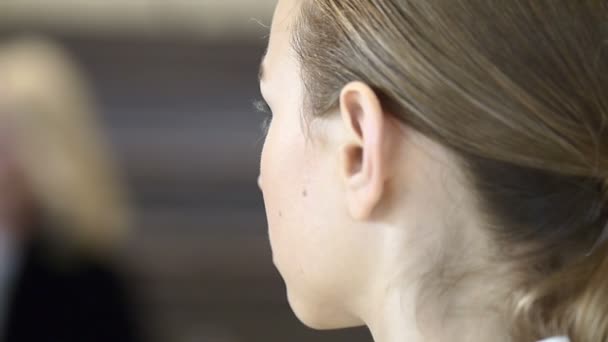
[{"x": 82, "y": 300}]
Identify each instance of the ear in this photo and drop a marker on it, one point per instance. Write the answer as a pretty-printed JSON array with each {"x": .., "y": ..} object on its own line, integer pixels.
[{"x": 363, "y": 156}]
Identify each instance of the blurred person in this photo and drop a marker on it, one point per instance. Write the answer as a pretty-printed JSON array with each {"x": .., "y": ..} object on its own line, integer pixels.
[
  {"x": 63, "y": 213},
  {"x": 438, "y": 170}
]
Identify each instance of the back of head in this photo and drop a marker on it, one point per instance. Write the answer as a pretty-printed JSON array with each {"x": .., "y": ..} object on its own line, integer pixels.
[{"x": 517, "y": 90}]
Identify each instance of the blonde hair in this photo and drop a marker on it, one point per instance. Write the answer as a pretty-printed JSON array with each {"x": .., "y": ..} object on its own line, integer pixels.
[
  {"x": 517, "y": 90},
  {"x": 45, "y": 104}
]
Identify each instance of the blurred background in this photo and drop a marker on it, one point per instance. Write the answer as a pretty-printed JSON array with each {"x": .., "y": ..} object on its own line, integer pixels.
[{"x": 173, "y": 82}]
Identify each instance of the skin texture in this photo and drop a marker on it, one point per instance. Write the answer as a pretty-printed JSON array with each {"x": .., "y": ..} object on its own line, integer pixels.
[{"x": 361, "y": 209}]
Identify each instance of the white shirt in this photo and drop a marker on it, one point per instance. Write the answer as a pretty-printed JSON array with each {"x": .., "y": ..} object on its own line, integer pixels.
[{"x": 556, "y": 339}]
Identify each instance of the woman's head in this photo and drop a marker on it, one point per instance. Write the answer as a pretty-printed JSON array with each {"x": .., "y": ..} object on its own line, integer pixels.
[
  {"x": 335, "y": 188},
  {"x": 436, "y": 149},
  {"x": 50, "y": 146}
]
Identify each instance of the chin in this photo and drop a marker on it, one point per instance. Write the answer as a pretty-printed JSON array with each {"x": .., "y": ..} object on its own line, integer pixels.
[{"x": 321, "y": 316}]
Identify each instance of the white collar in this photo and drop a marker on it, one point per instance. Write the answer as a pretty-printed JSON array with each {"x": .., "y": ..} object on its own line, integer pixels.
[{"x": 556, "y": 339}]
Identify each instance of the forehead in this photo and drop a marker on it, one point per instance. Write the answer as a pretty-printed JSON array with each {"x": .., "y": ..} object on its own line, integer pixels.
[
  {"x": 285, "y": 14},
  {"x": 279, "y": 45}
]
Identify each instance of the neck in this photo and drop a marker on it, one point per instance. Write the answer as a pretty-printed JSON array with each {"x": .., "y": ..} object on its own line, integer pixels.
[
  {"x": 395, "y": 319},
  {"x": 420, "y": 316}
]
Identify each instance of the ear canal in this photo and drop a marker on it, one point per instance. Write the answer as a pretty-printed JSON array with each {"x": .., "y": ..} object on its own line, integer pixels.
[{"x": 354, "y": 159}]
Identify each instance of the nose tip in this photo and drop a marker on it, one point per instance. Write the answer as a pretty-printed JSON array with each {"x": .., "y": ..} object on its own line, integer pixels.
[{"x": 260, "y": 182}]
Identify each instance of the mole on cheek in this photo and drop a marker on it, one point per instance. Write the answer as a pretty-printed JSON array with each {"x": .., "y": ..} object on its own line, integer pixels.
[
  {"x": 304, "y": 193},
  {"x": 280, "y": 214}
]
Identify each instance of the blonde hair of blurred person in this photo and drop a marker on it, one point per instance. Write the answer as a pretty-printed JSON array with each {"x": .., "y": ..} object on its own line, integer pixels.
[{"x": 47, "y": 117}]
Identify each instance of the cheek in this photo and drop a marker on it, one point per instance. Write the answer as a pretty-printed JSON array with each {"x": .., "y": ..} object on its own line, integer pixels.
[
  {"x": 281, "y": 170},
  {"x": 286, "y": 171},
  {"x": 305, "y": 213},
  {"x": 299, "y": 201}
]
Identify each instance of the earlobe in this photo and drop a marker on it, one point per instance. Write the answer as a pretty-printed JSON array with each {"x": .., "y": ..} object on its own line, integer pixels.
[{"x": 362, "y": 155}]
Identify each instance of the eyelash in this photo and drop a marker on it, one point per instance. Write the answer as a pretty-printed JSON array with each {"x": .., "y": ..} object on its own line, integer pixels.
[{"x": 262, "y": 107}]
